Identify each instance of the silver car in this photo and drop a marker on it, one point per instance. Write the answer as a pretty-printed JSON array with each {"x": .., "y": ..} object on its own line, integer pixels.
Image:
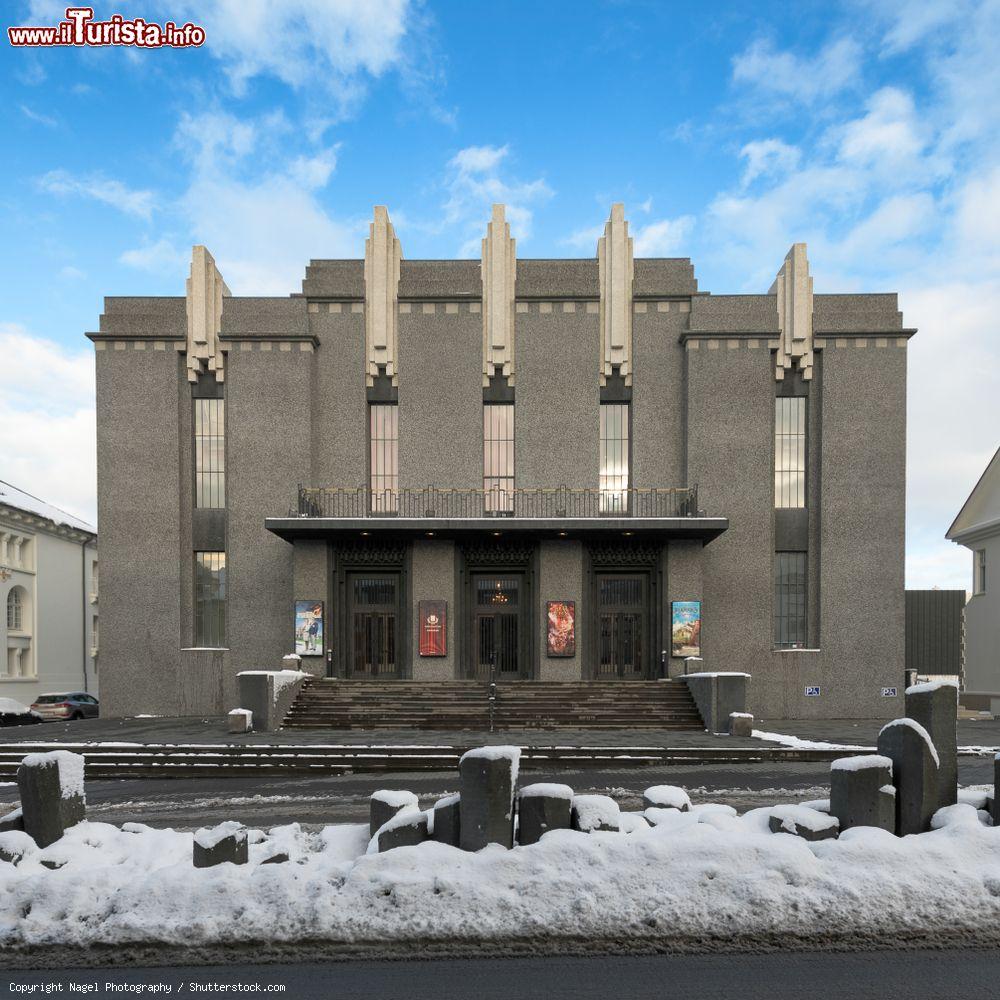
[{"x": 72, "y": 705}]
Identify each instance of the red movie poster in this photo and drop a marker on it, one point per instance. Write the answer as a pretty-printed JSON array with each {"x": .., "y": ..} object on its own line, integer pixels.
[{"x": 433, "y": 628}]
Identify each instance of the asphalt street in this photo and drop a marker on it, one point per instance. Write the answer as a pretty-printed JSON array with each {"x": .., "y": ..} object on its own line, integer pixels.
[{"x": 882, "y": 975}]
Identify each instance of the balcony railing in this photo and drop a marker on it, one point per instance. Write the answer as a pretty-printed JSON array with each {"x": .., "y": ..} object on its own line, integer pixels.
[{"x": 435, "y": 502}]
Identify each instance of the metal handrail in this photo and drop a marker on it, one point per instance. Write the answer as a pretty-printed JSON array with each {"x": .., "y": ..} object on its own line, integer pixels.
[{"x": 542, "y": 502}]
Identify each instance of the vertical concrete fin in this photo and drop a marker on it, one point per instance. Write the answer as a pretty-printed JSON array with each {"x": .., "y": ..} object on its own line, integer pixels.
[
  {"x": 205, "y": 290},
  {"x": 382, "y": 257},
  {"x": 499, "y": 272},
  {"x": 615, "y": 266},
  {"x": 793, "y": 288}
]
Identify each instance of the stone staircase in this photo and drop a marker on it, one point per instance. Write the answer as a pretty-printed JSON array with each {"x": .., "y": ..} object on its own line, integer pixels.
[{"x": 464, "y": 705}]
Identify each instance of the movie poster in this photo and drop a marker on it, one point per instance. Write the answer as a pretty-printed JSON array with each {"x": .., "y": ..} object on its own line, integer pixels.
[
  {"x": 309, "y": 628},
  {"x": 561, "y": 628},
  {"x": 433, "y": 627},
  {"x": 685, "y": 628}
]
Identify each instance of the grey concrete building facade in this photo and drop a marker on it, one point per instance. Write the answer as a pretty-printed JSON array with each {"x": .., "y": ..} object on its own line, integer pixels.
[{"x": 544, "y": 469}]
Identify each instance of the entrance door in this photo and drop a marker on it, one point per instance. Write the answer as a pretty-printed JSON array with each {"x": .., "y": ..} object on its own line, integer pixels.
[
  {"x": 496, "y": 626},
  {"x": 622, "y": 626},
  {"x": 374, "y": 625}
]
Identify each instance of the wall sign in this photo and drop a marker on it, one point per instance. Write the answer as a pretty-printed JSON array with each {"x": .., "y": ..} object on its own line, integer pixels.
[
  {"x": 433, "y": 617},
  {"x": 889, "y": 692},
  {"x": 309, "y": 628},
  {"x": 812, "y": 691},
  {"x": 685, "y": 628},
  {"x": 561, "y": 628}
]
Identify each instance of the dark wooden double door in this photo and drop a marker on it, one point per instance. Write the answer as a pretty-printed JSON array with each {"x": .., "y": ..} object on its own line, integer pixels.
[
  {"x": 374, "y": 625},
  {"x": 498, "y": 624},
  {"x": 623, "y": 626}
]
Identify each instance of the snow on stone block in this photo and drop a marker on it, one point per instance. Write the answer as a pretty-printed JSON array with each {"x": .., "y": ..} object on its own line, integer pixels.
[
  {"x": 930, "y": 686},
  {"x": 543, "y": 807},
  {"x": 592, "y": 813},
  {"x": 52, "y": 794},
  {"x": 861, "y": 762},
  {"x": 741, "y": 724},
  {"x": 978, "y": 798},
  {"x": 15, "y": 845},
  {"x": 240, "y": 720},
  {"x": 12, "y": 821},
  {"x": 630, "y": 822},
  {"x": 487, "y": 781},
  {"x": 802, "y": 822},
  {"x": 405, "y": 829},
  {"x": 550, "y": 790},
  {"x": 217, "y": 845},
  {"x": 655, "y": 816},
  {"x": 918, "y": 729},
  {"x": 820, "y": 805},
  {"x": 388, "y": 802},
  {"x": 666, "y": 797},
  {"x": 960, "y": 814}
]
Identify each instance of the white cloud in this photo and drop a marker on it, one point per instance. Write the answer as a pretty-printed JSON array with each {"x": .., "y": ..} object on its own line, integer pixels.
[
  {"x": 767, "y": 157},
  {"x": 887, "y": 136},
  {"x": 796, "y": 78},
  {"x": 37, "y": 116},
  {"x": 161, "y": 257},
  {"x": 474, "y": 183},
  {"x": 47, "y": 422},
  {"x": 663, "y": 238},
  {"x": 99, "y": 188},
  {"x": 977, "y": 218},
  {"x": 333, "y": 45}
]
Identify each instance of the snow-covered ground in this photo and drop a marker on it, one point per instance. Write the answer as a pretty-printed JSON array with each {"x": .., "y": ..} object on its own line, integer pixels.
[{"x": 703, "y": 873}]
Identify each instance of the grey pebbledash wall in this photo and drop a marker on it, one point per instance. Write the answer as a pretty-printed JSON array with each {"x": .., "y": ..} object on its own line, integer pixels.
[{"x": 703, "y": 389}]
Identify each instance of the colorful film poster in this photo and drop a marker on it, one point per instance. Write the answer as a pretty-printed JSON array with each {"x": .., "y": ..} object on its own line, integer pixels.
[
  {"x": 561, "y": 616},
  {"x": 685, "y": 628},
  {"x": 433, "y": 628},
  {"x": 309, "y": 628}
]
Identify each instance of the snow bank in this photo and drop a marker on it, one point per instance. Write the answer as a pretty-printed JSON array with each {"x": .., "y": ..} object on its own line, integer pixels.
[
  {"x": 795, "y": 743},
  {"x": 919, "y": 729},
  {"x": 12, "y": 707},
  {"x": 70, "y": 767},
  {"x": 861, "y": 763},
  {"x": 546, "y": 789}
]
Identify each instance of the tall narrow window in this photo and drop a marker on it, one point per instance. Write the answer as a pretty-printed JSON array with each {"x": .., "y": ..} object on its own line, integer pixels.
[
  {"x": 209, "y": 453},
  {"x": 498, "y": 458},
  {"x": 790, "y": 630},
  {"x": 210, "y": 598},
  {"x": 979, "y": 571},
  {"x": 384, "y": 441},
  {"x": 614, "y": 472},
  {"x": 15, "y": 611},
  {"x": 790, "y": 451}
]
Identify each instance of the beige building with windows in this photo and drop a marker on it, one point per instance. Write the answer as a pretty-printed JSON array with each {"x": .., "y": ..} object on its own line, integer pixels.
[{"x": 48, "y": 588}]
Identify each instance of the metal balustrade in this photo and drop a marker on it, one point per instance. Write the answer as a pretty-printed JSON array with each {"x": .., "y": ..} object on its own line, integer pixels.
[{"x": 497, "y": 504}]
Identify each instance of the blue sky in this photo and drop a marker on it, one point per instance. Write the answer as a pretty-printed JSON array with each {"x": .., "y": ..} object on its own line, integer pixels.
[{"x": 868, "y": 130}]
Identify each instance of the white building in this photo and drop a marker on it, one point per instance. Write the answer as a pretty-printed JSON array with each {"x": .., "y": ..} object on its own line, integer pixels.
[
  {"x": 977, "y": 527},
  {"x": 48, "y": 586}
]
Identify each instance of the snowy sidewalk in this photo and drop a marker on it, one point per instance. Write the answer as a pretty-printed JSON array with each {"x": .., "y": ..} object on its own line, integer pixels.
[{"x": 705, "y": 875}]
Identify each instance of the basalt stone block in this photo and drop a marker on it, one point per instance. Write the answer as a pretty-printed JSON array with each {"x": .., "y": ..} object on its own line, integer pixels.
[
  {"x": 447, "y": 821},
  {"x": 741, "y": 724},
  {"x": 666, "y": 797},
  {"x": 540, "y": 808},
  {"x": 404, "y": 830},
  {"x": 858, "y": 795},
  {"x": 994, "y": 804},
  {"x": 594, "y": 813},
  {"x": 216, "y": 846},
  {"x": 275, "y": 859},
  {"x": 487, "y": 779},
  {"x": 14, "y": 845},
  {"x": 52, "y": 798},
  {"x": 802, "y": 822},
  {"x": 240, "y": 720},
  {"x": 387, "y": 803},
  {"x": 914, "y": 774},
  {"x": 935, "y": 707},
  {"x": 12, "y": 821}
]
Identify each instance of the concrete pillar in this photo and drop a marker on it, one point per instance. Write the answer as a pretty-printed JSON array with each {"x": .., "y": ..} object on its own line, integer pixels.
[
  {"x": 540, "y": 808},
  {"x": 52, "y": 794},
  {"x": 862, "y": 793},
  {"x": 447, "y": 821},
  {"x": 386, "y": 803},
  {"x": 914, "y": 773},
  {"x": 225, "y": 842},
  {"x": 404, "y": 830},
  {"x": 593, "y": 813}
]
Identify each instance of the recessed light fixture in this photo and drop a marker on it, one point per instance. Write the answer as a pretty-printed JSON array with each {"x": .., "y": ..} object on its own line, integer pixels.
[
  {"x": 562, "y": 534},
  {"x": 497, "y": 534},
  {"x": 628, "y": 534},
  {"x": 365, "y": 534},
  {"x": 430, "y": 534}
]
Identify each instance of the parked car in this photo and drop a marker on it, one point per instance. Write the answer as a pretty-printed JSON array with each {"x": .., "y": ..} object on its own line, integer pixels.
[
  {"x": 13, "y": 713},
  {"x": 60, "y": 707}
]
